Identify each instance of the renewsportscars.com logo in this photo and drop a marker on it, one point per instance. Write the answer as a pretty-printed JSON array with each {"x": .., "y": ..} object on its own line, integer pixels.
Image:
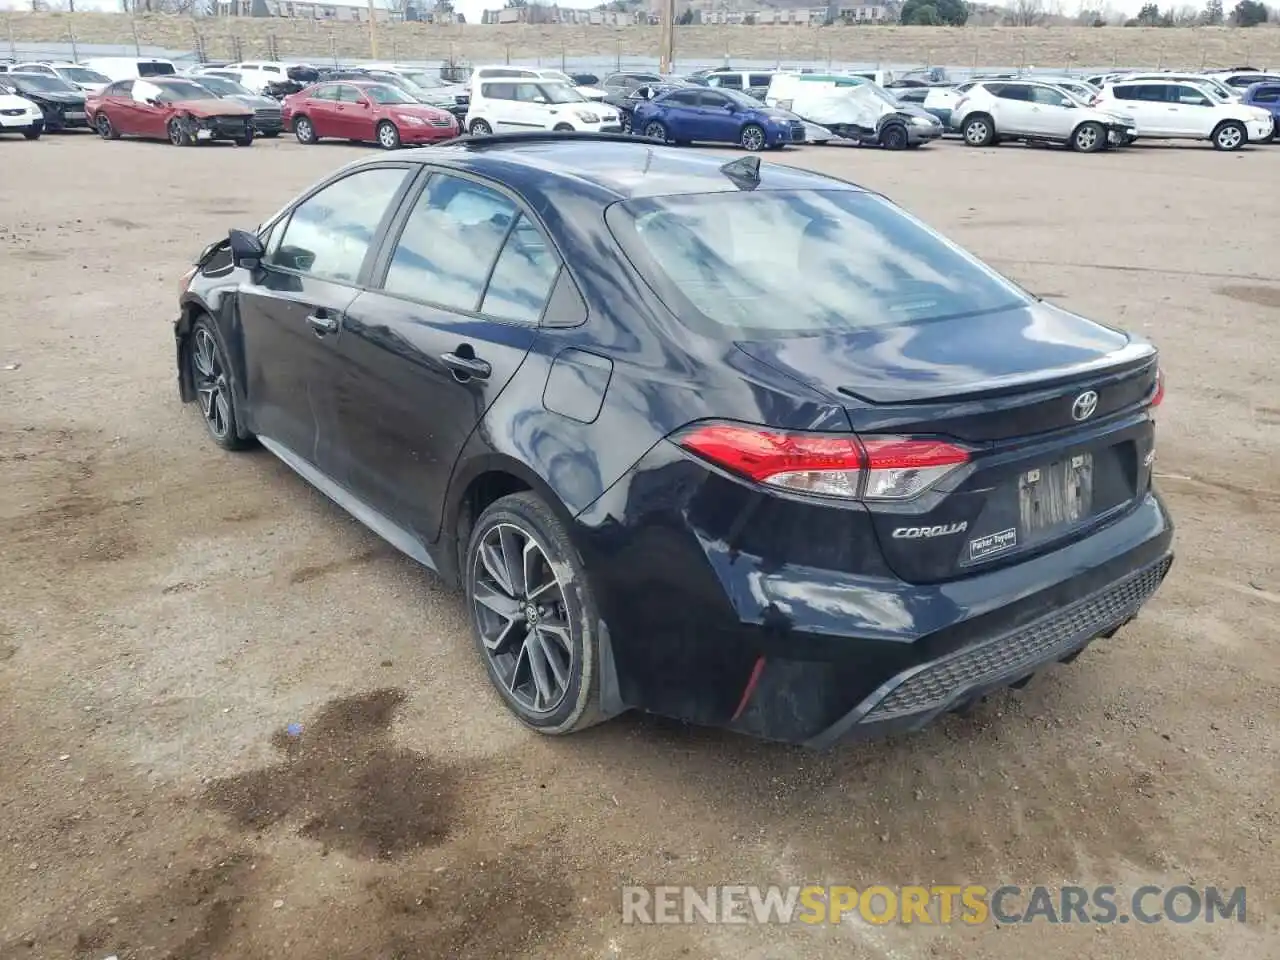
[{"x": 938, "y": 904}]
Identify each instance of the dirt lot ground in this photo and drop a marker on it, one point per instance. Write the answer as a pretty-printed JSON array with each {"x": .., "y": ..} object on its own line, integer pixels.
[{"x": 167, "y": 609}]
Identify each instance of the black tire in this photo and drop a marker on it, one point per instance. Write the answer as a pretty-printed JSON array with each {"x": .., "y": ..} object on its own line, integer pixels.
[
  {"x": 480, "y": 128},
  {"x": 106, "y": 129},
  {"x": 304, "y": 130},
  {"x": 247, "y": 139},
  {"x": 562, "y": 128},
  {"x": 894, "y": 137},
  {"x": 210, "y": 374},
  {"x": 575, "y": 616},
  {"x": 1089, "y": 137},
  {"x": 625, "y": 123},
  {"x": 1230, "y": 135},
  {"x": 32, "y": 133},
  {"x": 657, "y": 130},
  {"x": 978, "y": 131},
  {"x": 178, "y": 133},
  {"x": 388, "y": 135},
  {"x": 753, "y": 138}
]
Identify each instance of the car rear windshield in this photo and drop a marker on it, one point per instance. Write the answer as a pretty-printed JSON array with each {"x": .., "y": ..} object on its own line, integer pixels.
[
  {"x": 151, "y": 68},
  {"x": 752, "y": 265}
]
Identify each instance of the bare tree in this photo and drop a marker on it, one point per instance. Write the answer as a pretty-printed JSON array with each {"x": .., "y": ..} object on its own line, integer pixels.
[{"x": 1025, "y": 13}]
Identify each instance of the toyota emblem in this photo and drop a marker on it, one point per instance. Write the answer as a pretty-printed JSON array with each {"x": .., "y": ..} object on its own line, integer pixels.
[{"x": 1084, "y": 406}]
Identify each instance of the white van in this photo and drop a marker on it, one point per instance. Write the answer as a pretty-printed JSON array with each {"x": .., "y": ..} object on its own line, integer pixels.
[
  {"x": 130, "y": 68},
  {"x": 509, "y": 105},
  {"x": 258, "y": 75}
]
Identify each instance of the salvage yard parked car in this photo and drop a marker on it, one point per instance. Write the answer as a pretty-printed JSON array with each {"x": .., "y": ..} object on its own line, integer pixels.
[
  {"x": 854, "y": 108},
  {"x": 60, "y": 102},
  {"x": 1266, "y": 96},
  {"x": 167, "y": 108},
  {"x": 732, "y": 442},
  {"x": 516, "y": 105},
  {"x": 81, "y": 78},
  {"x": 701, "y": 114},
  {"x": 992, "y": 111},
  {"x": 365, "y": 113},
  {"x": 267, "y": 117},
  {"x": 18, "y": 114},
  {"x": 1185, "y": 111}
]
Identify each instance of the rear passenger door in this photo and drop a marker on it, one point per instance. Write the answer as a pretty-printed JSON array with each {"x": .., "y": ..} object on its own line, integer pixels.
[
  {"x": 1012, "y": 108},
  {"x": 680, "y": 114},
  {"x": 455, "y": 305},
  {"x": 716, "y": 122}
]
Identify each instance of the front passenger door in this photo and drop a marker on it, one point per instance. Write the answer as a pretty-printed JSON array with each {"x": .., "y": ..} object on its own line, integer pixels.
[
  {"x": 1052, "y": 113},
  {"x": 427, "y": 354},
  {"x": 291, "y": 310}
]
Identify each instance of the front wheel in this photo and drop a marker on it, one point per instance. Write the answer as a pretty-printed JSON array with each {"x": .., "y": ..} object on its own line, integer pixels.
[
  {"x": 979, "y": 131},
  {"x": 211, "y": 377},
  {"x": 32, "y": 133},
  {"x": 105, "y": 129},
  {"x": 304, "y": 130},
  {"x": 752, "y": 138},
  {"x": 388, "y": 136},
  {"x": 480, "y": 128},
  {"x": 1089, "y": 138},
  {"x": 1230, "y": 135},
  {"x": 178, "y": 134},
  {"x": 894, "y": 137},
  {"x": 246, "y": 139},
  {"x": 655, "y": 130},
  {"x": 534, "y": 616}
]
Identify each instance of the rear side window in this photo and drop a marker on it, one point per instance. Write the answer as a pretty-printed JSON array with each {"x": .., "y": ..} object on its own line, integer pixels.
[
  {"x": 449, "y": 243},
  {"x": 731, "y": 80},
  {"x": 151, "y": 68},
  {"x": 800, "y": 262},
  {"x": 499, "y": 91},
  {"x": 522, "y": 277},
  {"x": 1014, "y": 91},
  {"x": 682, "y": 98},
  {"x": 329, "y": 233}
]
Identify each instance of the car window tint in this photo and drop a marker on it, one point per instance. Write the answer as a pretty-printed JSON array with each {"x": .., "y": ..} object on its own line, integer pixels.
[
  {"x": 523, "y": 275},
  {"x": 1190, "y": 96},
  {"x": 329, "y": 233},
  {"x": 348, "y": 94},
  {"x": 1014, "y": 91},
  {"x": 328, "y": 92},
  {"x": 759, "y": 79},
  {"x": 500, "y": 91},
  {"x": 1047, "y": 97},
  {"x": 731, "y": 80},
  {"x": 709, "y": 99},
  {"x": 1267, "y": 95},
  {"x": 529, "y": 93},
  {"x": 449, "y": 243},
  {"x": 840, "y": 260},
  {"x": 682, "y": 98}
]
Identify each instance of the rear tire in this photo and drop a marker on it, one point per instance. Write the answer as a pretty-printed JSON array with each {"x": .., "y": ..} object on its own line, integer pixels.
[
  {"x": 1230, "y": 136},
  {"x": 480, "y": 128},
  {"x": 304, "y": 130},
  {"x": 978, "y": 131},
  {"x": 1089, "y": 138},
  {"x": 388, "y": 135},
  {"x": 535, "y": 624}
]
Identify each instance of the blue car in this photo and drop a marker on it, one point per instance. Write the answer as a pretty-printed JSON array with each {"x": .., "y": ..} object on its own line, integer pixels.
[
  {"x": 1267, "y": 96},
  {"x": 715, "y": 116}
]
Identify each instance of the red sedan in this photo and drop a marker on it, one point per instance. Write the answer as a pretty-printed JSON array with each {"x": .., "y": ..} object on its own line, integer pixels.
[
  {"x": 372, "y": 112},
  {"x": 163, "y": 108}
]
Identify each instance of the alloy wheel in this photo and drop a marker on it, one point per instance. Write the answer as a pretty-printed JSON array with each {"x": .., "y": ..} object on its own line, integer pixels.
[
  {"x": 522, "y": 617},
  {"x": 1086, "y": 139},
  {"x": 656, "y": 131},
  {"x": 976, "y": 132},
  {"x": 388, "y": 138},
  {"x": 1229, "y": 138},
  {"x": 104, "y": 127},
  {"x": 211, "y": 383},
  {"x": 753, "y": 138}
]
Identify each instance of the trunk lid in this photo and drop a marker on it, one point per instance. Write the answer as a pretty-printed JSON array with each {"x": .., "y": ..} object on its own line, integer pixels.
[{"x": 1053, "y": 408}]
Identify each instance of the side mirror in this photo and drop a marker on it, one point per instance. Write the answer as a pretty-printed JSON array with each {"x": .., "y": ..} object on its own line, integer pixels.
[{"x": 246, "y": 249}]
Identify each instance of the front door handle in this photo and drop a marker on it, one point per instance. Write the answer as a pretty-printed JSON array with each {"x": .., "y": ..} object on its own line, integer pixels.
[
  {"x": 467, "y": 367},
  {"x": 322, "y": 324}
]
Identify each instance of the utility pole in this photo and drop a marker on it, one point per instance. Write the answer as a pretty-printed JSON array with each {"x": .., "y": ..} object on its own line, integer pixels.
[
  {"x": 667, "y": 43},
  {"x": 373, "y": 31}
]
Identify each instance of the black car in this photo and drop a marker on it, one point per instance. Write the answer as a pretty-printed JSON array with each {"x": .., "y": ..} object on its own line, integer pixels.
[
  {"x": 61, "y": 103},
  {"x": 627, "y": 100},
  {"x": 737, "y": 443}
]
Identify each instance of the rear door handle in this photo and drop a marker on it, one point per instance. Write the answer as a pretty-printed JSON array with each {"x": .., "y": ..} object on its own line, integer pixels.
[
  {"x": 472, "y": 367},
  {"x": 322, "y": 323}
]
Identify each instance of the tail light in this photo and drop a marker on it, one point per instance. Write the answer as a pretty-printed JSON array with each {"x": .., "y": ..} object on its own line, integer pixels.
[
  {"x": 825, "y": 464},
  {"x": 1158, "y": 397}
]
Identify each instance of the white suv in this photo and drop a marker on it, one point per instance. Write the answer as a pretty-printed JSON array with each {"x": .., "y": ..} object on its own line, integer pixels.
[
  {"x": 1187, "y": 111},
  {"x": 536, "y": 74},
  {"x": 995, "y": 110},
  {"x": 512, "y": 105}
]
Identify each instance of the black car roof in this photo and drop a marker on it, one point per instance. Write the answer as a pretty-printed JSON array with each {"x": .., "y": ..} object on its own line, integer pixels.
[{"x": 617, "y": 167}]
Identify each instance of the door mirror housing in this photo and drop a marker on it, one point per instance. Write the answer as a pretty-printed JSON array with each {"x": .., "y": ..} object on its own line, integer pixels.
[{"x": 247, "y": 250}]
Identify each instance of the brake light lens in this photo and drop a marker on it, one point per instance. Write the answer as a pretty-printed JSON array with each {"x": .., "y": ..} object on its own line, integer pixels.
[
  {"x": 1158, "y": 398},
  {"x": 824, "y": 464}
]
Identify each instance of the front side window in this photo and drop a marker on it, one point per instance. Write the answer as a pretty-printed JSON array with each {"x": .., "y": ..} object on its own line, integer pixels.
[
  {"x": 387, "y": 94},
  {"x": 449, "y": 242},
  {"x": 348, "y": 93},
  {"x": 1049, "y": 97},
  {"x": 1192, "y": 97},
  {"x": 681, "y": 98},
  {"x": 176, "y": 91},
  {"x": 499, "y": 91},
  {"x": 522, "y": 277},
  {"x": 802, "y": 262},
  {"x": 327, "y": 92},
  {"x": 329, "y": 234}
]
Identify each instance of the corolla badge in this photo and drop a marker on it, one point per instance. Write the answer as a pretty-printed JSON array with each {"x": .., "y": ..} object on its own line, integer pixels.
[{"x": 1084, "y": 406}]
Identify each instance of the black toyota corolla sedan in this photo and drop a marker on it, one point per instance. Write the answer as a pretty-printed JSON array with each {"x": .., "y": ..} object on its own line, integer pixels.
[{"x": 731, "y": 442}]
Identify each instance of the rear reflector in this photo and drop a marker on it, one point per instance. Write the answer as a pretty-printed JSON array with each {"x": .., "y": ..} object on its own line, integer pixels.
[{"x": 829, "y": 465}]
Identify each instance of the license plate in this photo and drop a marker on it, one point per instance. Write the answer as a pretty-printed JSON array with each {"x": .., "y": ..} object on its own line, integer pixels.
[
  {"x": 1059, "y": 494},
  {"x": 204, "y": 134}
]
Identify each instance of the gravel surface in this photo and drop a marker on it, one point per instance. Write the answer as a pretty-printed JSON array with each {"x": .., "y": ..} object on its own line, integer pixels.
[{"x": 168, "y": 610}]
